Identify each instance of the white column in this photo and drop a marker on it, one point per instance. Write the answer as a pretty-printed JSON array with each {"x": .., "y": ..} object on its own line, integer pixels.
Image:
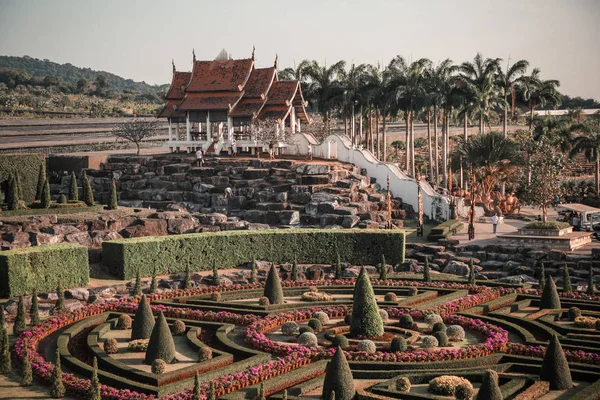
[
  {"x": 208, "y": 130},
  {"x": 188, "y": 127},
  {"x": 230, "y": 128},
  {"x": 299, "y": 129},
  {"x": 293, "y": 120}
]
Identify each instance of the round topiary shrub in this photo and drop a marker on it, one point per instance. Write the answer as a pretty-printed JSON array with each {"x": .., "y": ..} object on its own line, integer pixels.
[
  {"x": 138, "y": 345},
  {"x": 438, "y": 327},
  {"x": 321, "y": 316},
  {"x": 313, "y": 289},
  {"x": 598, "y": 325},
  {"x": 303, "y": 329},
  {"x": 446, "y": 385},
  {"x": 348, "y": 319},
  {"x": 216, "y": 296},
  {"x": 340, "y": 341},
  {"x": 455, "y": 333},
  {"x": 205, "y": 353},
  {"x": 391, "y": 297},
  {"x": 403, "y": 384},
  {"x": 442, "y": 338},
  {"x": 463, "y": 392},
  {"x": 406, "y": 321},
  {"x": 330, "y": 334},
  {"x": 429, "y": 342},
  {"x": 574, "y": 312},
  {"x": 432, "y": 319},
  {"x": 398, "y": 344},
  {"x": 158, "y": 366},
  {"x": 315, "y": 324},
  {"x": 384, "y": 316},
  {"x": 178, "y": 327},
  {"x": 366, "y": 345},
  {"x": 111, "y": 346},
  {"x": 413, "y": 291},
  {"x": 62, "y": 199},
  {"x": 124, "y": 322},
  {"x": 307, "y": 339},
  {"x": 263, "y": 301},
  {"x": 290, "y": 328},
  {"x": 585, "y": 322}
]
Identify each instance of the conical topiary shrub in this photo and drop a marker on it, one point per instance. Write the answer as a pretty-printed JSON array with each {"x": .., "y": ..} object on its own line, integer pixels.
[
  {"x": 161, "y": 343},
  {"x": 338, "y": 268},
  {"x": 295, "y": 270},
  {"x": 94, "y": 390},
  {"x": 112, "y": 204},
  {"x": 137, "y": 288},
  {"x": 34, "y": 312},
  {"x": 426, "y": 271},
  {"x": 555, "y": 368},
  {"x": 542, "y": 280},
  {"x": 20, "y": 325},
  {"x": 45, "y": 200},
  {"x": 41, "y": 182},
  {"x": 590, "y": 288},
  {"x": 383, "y": 269},
  {"x": 215, "y": 274},
  {"x": 550, "y": 299},
  {"x": 273, "y": 290},
  {"x": 471, "y": 272},
  {"x": 366, "y": 320},
  {"x": 154, "y": 282},
  {"x": 254, "y": 272},
  {"x": 338, "y": 378},
  {"x": 57, "y": 388},
  {"x": 187, "y": 281},
  {"x": 143, "y": 321},
  {"x": 59, "y": 306},
  {"x": 5, "y": 361},
  {"x": 489, "y": 389},
  {"x": 88, "y": 194},
  {"x": 27, "y": 378},
  {"x": 73, "y": 192},
  {"x": 567, "y": 288},
  {"x": 196, "y": 393}
]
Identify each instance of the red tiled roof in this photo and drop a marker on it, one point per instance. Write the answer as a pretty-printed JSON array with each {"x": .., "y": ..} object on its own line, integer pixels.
[
  {"x": 274, "y": 112},
  {"x": 247, "y": 107},
  {"x": 282, "y": 92},
  {"x": 221, "y": 75},
  {"x": 178, "y": 84},
  {"x": 170, "y": 110},
  {"x": 209, "y": 101},
  {"x": 259, "y": 82}
]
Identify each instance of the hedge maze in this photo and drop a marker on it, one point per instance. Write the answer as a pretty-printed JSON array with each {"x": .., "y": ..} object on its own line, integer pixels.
[{"x": 333, "y": 338}]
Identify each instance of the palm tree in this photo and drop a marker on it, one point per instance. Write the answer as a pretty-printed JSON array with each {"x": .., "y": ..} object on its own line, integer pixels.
[
  {"x": 293, "y": 74},
  {"x": 588, "y": 144},
  {"x": 439, "y": 79},
  {"x": 352, "y": 83},
  {"x": 539, "y": 93},
  {"x": 493, "y": 157},
  {"x": 375, "y": 95},
  {"x": 556, "y": 130},
  {"x": 506, "y": 82},
  {"x": 480, "y": 79},
  {"x": 324, "y": 88}
]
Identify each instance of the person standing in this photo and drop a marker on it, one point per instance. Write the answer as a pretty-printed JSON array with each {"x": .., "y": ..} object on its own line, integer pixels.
[
  {"x": 271, "y": 151},
  {"x": 309, "y": 152},
  {"x": 495, "y": 222},
  {"x": 199, "y": 157},
  {"x": 233, "y": 147}
]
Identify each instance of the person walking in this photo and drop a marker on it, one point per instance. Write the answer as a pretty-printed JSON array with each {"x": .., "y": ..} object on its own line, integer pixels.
[
  {"x": 271, "y": 151},
  {"x": 495, "y": 222}
]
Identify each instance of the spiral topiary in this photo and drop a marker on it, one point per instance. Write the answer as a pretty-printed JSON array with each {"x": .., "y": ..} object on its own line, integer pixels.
[
  {"x": 432, "y": 319},
  {"x": 366, "y": 345},
  {"x": 455, "y": 333},
  {"x": 406, "y": 321},
  {"x": 289, "y": 328},
  {"x": 442, "y": 338},
  {"x": 429, "y": 342},
  {"x": 124, "y": 322},
  {"x": 340, "y": 341},
  {"x": 321, "y": 316},
  {"x": 438, "y": 327},
  {"x": 398, "y": 344},
  {"x": 391, "y": 297},
  {"x": 315, "y": 324},
  {"x": 403, "y": 384},
  {"x": 307, "y": 339},
  {"x": 111, "y": 346},
  {"x": 205, "y": 353},
  {"x": 158, "y": 366},
  {"x": 384, "y": 316}
]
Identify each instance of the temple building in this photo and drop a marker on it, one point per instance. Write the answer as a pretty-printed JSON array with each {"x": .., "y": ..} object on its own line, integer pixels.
[{"x": 215, "y": 106}]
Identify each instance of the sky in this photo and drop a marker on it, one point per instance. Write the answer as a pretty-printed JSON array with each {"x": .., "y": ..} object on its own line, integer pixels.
[{"x": 137, "y": 39}]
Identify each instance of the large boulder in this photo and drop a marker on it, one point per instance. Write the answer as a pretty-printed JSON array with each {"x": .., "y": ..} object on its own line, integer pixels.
[
  {"x": 212, "y": 219},
  {"x": 456, "y": 268}
]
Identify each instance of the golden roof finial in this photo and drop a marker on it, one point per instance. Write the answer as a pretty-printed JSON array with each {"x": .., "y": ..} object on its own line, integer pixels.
[
  {"x": 276, "y": 61},
  {"x": 253, "y": 50},
  {"x": 194, "y": 55},
  {"x": 173, "y": 62}
]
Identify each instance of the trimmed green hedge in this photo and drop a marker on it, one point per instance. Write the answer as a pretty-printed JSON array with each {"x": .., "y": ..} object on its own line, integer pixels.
[
  {"x": 445, "y": 230},
  {"x": 55, "y": 209},
  {"x": 27, "y": 166},
  {"x": 547, "y": 225},
  {"x": 42, "y": 267},
  {"x": 199, "y": 251}
]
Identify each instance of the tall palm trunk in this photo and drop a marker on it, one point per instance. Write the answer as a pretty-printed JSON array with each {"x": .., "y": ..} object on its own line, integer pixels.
[
  {"x": 481, "y": 123},
  {"x": 531, "y": 108},
  {"x": 370, "y": 130},
  {"x": 429, "y": 145},
  {"x": 345, "y": 126},
  {"x": 352, "y": 126},
  {"x": 505, "y": 121},
  {"x": 406, "y": 141},
  {"x": 384, "y": 139},
  {"x": 412, "y": 145},
  {"x": 444, "y": 151},
  {"x": 360, "y": 126},
  {"x": 464, "y": 181},
  {"x": 597, "y": 173},
  {"x": 377, "y": 134},
  {"x": 436, "y": 144}
]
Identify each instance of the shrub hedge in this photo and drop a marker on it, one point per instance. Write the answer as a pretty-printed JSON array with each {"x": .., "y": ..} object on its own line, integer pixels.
[
  {"x": 28, "y": 167},
  {"x": 42, "y": 268},
  {"x": 445, "y": 230},
  {"x": 199, "y": 251}
]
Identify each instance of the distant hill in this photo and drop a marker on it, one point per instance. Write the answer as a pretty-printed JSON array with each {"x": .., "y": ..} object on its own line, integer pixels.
[{"x": 70, "y": 74}]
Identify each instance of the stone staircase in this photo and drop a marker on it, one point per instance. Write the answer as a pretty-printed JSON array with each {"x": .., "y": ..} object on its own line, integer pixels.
[{"x": 269, "y": 192}]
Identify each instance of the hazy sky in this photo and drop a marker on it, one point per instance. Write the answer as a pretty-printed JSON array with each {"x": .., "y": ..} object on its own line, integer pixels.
[{"x": 138, "y": 39}]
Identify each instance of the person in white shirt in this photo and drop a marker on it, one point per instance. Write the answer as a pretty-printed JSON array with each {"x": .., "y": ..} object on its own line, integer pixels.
[
  {"x": 233, "y": 147},
  {"x": 309, "y": 152},
  {"x": 495, "y": 220},
  {"x": 199, "y": 157}
]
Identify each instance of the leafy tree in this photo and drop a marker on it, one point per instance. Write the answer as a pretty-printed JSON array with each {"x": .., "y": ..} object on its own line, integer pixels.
[
  {"x": 137, "y": 289},
  {"x": 161, "y": 345},
  {"x": 60, "y": 303},
  {"x": 88, "y": 194},
  {"x": 112, "y": 205},
  {"x": 20, "y": 325},
  {"x": 555, "y": 368},
  {"x": 34, "y": 312},
  {"x": 426, "y": 271},
  {"x": 273, "y": 290},
  {"x": 366, "y": 320},
  {"x": 338, "y": 378},
  {"x": 94, "y": 390},
  {"x": 383, "y": 269},
  {"x": 45, "y": 200},
  {"x": 82, "y": 85},
  {"x": 550, "y": 299},
  {"x": 143, "y": 321},
  {"x": 57, "y": 390},
  {"x": 588, "y": 143},
  {"x": 590, "y": 288},
  {"x": 539, "y": 93},
  {"x": 73, "y": 191},
  {"x": 567, "y": 288},
  {"x": 136, "y": 131},
  {"x": 27, "y": 378},
  {"x": 41, "y": 181}
]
